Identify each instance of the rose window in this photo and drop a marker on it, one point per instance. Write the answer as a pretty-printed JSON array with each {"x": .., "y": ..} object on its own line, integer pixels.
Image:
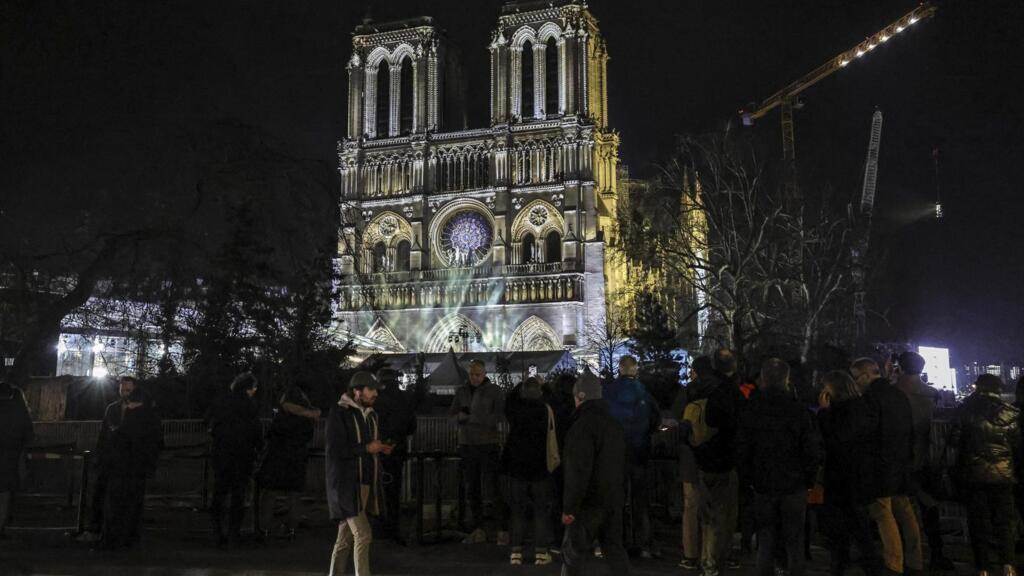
[
  {"x": 388, "y": 226},
  {"x": 466, "y": 239},
  {"x": 538, "y": 216}
]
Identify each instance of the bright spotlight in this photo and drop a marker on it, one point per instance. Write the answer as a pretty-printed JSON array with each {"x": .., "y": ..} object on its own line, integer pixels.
[
  {"x": 938, "y": 210},
  {"x": 844, "y": 62},
  {"x": 98, "y": 347},
  {"x": 899, "y": 29},
  {"x": 860, "y": 53},
  {"x": 913, "y": 20},
  {"x": 884, "y": 39},
  {"x": 99, "y": 372}
]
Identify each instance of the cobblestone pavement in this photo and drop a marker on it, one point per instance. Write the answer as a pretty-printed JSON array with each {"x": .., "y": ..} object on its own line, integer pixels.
[{"x": 177, "y": 543}]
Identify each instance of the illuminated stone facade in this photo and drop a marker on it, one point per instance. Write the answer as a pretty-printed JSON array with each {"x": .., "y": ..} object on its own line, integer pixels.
[{"x": 477, "y": 239}]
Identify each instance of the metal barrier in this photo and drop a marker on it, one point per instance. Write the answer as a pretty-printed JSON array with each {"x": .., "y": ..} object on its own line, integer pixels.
[{"x": 62, "y": 450}]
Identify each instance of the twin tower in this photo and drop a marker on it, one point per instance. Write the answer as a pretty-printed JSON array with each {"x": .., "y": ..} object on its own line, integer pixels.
[{"x": 480, "y": 239}]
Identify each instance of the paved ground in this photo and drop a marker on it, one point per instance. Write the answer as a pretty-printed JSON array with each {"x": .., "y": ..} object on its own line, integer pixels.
[{"x": 176, "y": 543}]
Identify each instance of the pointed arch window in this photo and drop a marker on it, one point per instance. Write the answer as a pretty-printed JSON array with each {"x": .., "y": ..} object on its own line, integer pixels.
[
  {"x": 406, "y": 97},
  {"x": 553, "y": 247},
  {"x": 402, "y": 256},
  {"x": 551, "y": 77},
  {"x": 383, "y": 99},
  {"x": 526, "y": 105},
  {"x": 529, "y": 249},
  {"x": 380, "y": 257}
]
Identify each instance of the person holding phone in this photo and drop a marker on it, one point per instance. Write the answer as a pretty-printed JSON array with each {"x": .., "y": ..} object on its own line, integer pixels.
[{"x": 353, "y": 471}]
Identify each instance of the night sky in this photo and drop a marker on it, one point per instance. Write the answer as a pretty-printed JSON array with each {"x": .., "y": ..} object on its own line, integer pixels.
[{"x": 94, "y": 89}]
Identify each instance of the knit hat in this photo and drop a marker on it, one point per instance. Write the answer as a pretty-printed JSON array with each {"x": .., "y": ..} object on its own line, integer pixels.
[
  {"x": 362, "y": 379},
  {"x": 587, "y": 387}
]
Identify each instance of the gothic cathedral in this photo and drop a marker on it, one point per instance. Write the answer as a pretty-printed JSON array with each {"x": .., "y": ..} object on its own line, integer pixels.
[{"x": 488, "y": 238}]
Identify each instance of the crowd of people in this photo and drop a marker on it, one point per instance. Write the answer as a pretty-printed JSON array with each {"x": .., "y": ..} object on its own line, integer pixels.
[{"x": 571, "y": 473}]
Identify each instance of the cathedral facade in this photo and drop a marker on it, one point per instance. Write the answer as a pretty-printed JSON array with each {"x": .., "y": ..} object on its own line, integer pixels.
[{"x": 487, "y": 238}]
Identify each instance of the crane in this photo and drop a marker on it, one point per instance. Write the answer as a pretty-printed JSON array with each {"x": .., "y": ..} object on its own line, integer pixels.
[
  {"x": 786, "y": 98},
  {"x": 867, "y": 204}
]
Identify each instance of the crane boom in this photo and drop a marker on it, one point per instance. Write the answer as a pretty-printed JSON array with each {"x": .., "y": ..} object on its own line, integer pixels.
[
  {"x": 786, "y": 97},
  {"x": 867, "y": 195}
]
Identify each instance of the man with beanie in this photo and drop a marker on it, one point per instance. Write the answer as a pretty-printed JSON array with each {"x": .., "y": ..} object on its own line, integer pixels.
[
  {"x": 353, "y": 472},
  {"x": 923, "y": 400},
  {"x": 594, "y": 495}
]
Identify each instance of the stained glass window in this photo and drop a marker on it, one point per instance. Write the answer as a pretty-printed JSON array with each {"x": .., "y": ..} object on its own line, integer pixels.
[{"x": 466, "y": 239}]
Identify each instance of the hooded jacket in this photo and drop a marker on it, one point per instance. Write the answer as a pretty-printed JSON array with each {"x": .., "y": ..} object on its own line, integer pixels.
[
  {"x": 986, "y": 435},
  {"x": 350, "y": 428}
]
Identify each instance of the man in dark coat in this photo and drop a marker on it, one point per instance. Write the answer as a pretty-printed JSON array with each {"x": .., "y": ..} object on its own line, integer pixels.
[
  {"x": 237, "y": 440},
  {"x": 923, "y": 401},
  {"x": 987, "y": 439},
  {"x": 397, "y": 411},
  {"x": 525, "y": 462},
  {"x": 594, "y": 493},
  {"x": 15, "y": 436},
  {"x": 886, "y": 423},
  {"x": 130, "y": 441},
  {"x": 353, "y": 472},
  {"x": 637, "y": 411},
  {"x": 282, "y": 466},
  {"x": 778, "y": 454},
  {"x": 717, "y": 486},
  {"x": 478, "y": 407}
]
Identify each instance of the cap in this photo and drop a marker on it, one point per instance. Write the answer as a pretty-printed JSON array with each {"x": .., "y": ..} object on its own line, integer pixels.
[
  {"x": 362, "y": 379},
  {"x": 587, "y": 387}
]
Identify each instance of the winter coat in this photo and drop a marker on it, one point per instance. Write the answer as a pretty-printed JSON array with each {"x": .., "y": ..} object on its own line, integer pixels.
[
  {"x": 486, "y": 404},
  {"x": 778, "y": 447},
  {"x": 717, "y": 454},
  {"x": 131, "y": 437},
  {"x": 886, "y": 425},
  {"x": 283, "y": 461},
  {"x": 594, "y": 461},
  {"x": 847, "y": 459},
  {"x": 923, "y": 399},
  {"x": 348, "y": 466},
  {"x": 637, "y": 411},
  {"x": 525, "y": 454},
  {"x": 397, "y": 412},
  {"x": 236, "y": 432},
  {"x": 987, "y": 438},
  {"x": 15, "y": 435}
]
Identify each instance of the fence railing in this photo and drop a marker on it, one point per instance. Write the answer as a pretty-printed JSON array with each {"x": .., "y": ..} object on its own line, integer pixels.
[{"x": 59, "y": 472}]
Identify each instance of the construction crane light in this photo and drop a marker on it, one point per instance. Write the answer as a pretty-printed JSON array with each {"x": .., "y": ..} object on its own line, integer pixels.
[
  {"x": 844, "y": 62},
  {"x": 899, "y": 29},
  {"x": 884, "y": 39},
  {"x": 913, "y": 20},
  {"x": 860, "y": 53},
  {"x": 938, "y": 210}
]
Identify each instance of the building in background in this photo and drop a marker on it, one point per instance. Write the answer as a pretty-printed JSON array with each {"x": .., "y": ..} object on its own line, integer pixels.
[{"x": 478, "y": 239}]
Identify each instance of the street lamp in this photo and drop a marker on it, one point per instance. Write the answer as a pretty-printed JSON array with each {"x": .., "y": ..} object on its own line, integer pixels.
[{"x": 465, "y": 335}]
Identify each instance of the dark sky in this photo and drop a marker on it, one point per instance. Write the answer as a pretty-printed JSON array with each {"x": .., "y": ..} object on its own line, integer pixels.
[{"x": 107, "y": 81}]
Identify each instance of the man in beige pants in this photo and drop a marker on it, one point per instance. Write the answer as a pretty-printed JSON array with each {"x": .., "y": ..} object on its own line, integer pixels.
[{"x": 353, "y": 472}]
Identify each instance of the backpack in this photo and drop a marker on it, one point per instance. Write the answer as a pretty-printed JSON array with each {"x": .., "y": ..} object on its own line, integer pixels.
[{"x": 695, "y": 414}]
